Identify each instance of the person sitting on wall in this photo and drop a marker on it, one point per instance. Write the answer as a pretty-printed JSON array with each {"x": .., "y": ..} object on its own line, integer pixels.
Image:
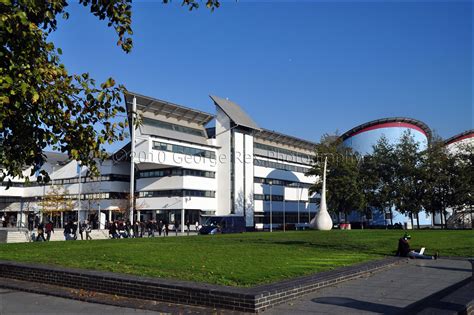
[{"x": 405, "y": 251}]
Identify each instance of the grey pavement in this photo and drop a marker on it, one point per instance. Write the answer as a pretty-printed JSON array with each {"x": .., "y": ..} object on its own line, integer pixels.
[
  {"x": 396, "y": 290},
  {"x": 23, "y": 303},
  {"x": 393, "y": 291}
]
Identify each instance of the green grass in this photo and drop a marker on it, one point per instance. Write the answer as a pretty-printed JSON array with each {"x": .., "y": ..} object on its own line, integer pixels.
[{"x": 237, "y": 260}]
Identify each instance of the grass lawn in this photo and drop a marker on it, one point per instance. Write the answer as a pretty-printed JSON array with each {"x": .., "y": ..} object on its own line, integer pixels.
[{"x": 237, "y": 260}]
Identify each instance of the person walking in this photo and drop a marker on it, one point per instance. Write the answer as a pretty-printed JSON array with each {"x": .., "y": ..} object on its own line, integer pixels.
[
  {"x": 142, "y": 228},
  {"x": 197, "y": 226},
  {"x": 49, "y": 229},
  {"x": 136, "y": 229},
  {"x": 188, "y": 225},
  {"x": 160, "y": 227},
  {"x": 176, "y": 226},
  {"x": 167, "y": 228},
  {"x": 40, "y": 233},
  {"x": 68, "y": 231},
  {"x": 81, "y": 229},
  {"x": 88, "y": 230}
]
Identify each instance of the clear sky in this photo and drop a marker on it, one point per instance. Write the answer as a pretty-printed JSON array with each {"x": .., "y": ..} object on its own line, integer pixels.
[{"x": 304, "y": 68}]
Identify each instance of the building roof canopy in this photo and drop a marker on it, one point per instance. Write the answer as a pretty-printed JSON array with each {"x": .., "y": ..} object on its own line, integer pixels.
[
  {"x": 167, "y": 109},
  {"x": 235, "y": 112}
]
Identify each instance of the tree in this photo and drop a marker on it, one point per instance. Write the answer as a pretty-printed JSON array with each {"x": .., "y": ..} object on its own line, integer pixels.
[
  {"x": 41, "y": 104},
  {"x": 124, "y": 205},
  {"x": 56, "y": 201},
  {"x": 378, "y": 170},
  {"x": 409, "y": 177},
  {"x": 437, "y": 171},
  {"x": 345, "y": 191},
  {"x": 462, "y": 178}
]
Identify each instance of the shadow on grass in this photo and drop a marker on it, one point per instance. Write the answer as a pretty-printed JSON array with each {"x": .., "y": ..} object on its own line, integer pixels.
[{"x": 331, "y": 247}]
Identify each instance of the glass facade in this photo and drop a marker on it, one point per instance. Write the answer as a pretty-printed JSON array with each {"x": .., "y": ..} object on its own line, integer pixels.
[
  {"x": 168, "y": 147},
  {"x": 294, "y": 154},
  {"x": 175, "y": 172},
  {"x": 177, "y": 193},
  {"x": 280, "y": 166},
  {"x": 279, "y": 182},
  {"x": 174, "y": 127}
]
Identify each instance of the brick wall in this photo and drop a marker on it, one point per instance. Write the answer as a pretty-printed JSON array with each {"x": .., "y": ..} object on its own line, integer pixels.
[{"x": 254, "y": 299}]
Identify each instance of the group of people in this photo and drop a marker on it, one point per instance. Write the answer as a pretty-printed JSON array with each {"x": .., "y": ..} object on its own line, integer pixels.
[
  {"x": 44, "y": 231},
  {"x": 124, "y": 229}
]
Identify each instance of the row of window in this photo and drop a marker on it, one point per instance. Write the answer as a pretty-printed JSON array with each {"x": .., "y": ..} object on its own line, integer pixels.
[
  {"x": 174, "y": 127},
  {"x": 279, "y": 182},
  {"x": 280, "y": 166},
  {"x": 176, "y": 172},
  {"x": 279, "y": 198},
  {"x": 87, "y": 196},
  {"x": 183, "y": 150},
  {"x": 72, "y": 180},
  {"x": 301, "y": 156},
  {"x": 178, "y": 193}
]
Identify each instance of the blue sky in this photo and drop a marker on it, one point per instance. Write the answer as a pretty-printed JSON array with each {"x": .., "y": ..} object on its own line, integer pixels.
[{"x": 304, "y": 68}]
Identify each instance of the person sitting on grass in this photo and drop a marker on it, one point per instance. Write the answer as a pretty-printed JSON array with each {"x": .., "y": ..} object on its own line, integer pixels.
[{"x": 405, "y": 251}]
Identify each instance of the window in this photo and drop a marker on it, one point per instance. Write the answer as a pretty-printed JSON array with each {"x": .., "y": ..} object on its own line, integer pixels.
[
  {"x": 177, "y": 193},
  {"x": 267, "y": 197},
  {"x": 174, "y": 127},
  {"x": 183, "y": 150},
  {"x": 176, "y": 172},
  {"x": 279, "y": 182},
  {"x": 295, "y": 155},
  {"x": 280, "y": 166}
]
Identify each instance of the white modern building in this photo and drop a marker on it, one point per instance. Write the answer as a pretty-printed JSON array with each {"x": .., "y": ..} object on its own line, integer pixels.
[{"x": 188, "y": 165}]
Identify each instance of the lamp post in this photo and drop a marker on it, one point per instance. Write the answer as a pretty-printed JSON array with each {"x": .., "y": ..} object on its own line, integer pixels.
[
  {"x": 299, "y": 197},
  {"x": 271, "y": 210},
  {"x": 284, "y": 211},
  {"x": 132, "y": 158}
]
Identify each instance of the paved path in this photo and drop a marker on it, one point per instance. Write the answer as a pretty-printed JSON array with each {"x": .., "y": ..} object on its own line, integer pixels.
[
  {"x": 397, "y": 290},
  {"x": 23, "y": 303},
  {"x": 394, "y": 291}
]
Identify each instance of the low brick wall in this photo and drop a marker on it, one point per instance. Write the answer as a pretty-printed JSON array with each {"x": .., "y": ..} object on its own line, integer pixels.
[{"x": 253, "y": 299}]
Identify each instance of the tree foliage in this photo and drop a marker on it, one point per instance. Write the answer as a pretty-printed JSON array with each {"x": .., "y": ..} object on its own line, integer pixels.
[
  {"x": 400, "y": 176},
  {"x": 56, "y": 201},
  {"x": 343, "y": 180},
  {"x": 42, "y": 105}
]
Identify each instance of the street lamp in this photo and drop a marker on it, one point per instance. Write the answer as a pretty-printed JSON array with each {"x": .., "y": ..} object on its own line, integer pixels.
[
  {"x": 299, "y": 197},
  {"x": 271, "y": 210},
  {"x": 284, "y": 211}
]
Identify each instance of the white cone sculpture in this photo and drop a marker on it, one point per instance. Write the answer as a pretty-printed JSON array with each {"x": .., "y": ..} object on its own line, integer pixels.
[{"x": 322, "y": 220}]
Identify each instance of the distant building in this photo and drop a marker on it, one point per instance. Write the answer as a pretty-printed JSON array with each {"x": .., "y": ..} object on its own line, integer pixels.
[{"x": 364, "y": 137}]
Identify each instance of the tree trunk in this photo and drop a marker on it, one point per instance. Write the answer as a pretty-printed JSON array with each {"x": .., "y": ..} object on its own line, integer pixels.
[
  {"x": 391, "y": 216},
  {"x": 411, "y": 219},
  {"x": 417, "y": 220},
  {"x": 445, "y": 223},
  {"x": 433, "y": 219}
]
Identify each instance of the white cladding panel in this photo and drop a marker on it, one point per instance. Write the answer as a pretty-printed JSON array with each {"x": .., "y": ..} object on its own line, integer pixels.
[
  {"x": 249, "y": 179},
  {"x": 239, "y": 189},
  {"x": 160, "y": 183},
  {"x": 176, "y": 203},
  {"x": 223, "y": 136}
]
